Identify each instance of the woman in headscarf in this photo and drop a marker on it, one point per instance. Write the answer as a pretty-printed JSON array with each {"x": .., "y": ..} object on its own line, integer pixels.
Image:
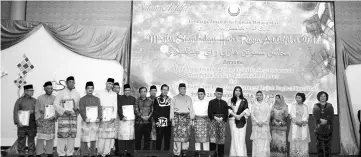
[
  {"x": 299, "y": 135},
  {"x": 323, "y": 114},
  {"x": 279, "y": 115},
  {"x": 261, "y": 136},
  {"x": 238, "y": 109}
]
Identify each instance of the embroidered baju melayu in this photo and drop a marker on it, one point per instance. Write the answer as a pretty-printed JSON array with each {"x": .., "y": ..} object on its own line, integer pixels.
[
  {"x": 67, "y": 124},
  {"x": 181, "y": 111},
  {"x": 46, "y": 127},
  {"x": 201, "y": 124}
]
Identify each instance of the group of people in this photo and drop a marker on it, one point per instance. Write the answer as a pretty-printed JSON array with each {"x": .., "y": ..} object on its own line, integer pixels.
[{"x": 154, "y": 118}]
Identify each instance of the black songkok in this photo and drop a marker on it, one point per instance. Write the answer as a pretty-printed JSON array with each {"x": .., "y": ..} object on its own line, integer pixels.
[
  {"x": 218, "y": 89},
  {"x": 126, "y": 86},
  {"x": 70, "y": 78},
  {"x": 116, "y": 84},
  {"x": 201, "y": 90},
  {"x": 90, "y": 83},
  {"x": 47, "y": 84},
  {"x": 182, "y": 85},
  {"x": 153, "y": 87},
  {"x": 28, "y": 87},
  {"x": 110, "y": 80}
]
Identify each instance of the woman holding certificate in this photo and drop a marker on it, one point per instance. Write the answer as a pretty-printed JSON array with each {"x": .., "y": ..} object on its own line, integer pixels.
[
  {"x": 66, "y": 106},
  {"x": 108, "y": 101},
  {"x": 90, "y": 112},
  {"x": 45, "y": 119}
]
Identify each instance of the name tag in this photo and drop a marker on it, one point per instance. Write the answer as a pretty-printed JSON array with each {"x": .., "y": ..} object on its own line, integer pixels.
[{"x": 163, "y": 122}]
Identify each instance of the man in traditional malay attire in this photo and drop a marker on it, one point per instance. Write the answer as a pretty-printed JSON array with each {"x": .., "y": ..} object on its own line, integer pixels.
[
  {"x": 107, "y": 133},
  {"x": 143, "y": 124},
  {"x": 161, "y": 117},
  {"x": 89, "y": 129},
  {"x": 67, "y": 108},
  {"x": 153, "y": 135},
  {"x": 182, "y": 115},
  {"x": 116, "y": 89},
  {"x": 218, "y": 114},
  {"x": 201, "y": 122},
  {"x": 45, "y": 121},
  {"x": 126, "y": 104},
  {"x": 26, "y": 103}
]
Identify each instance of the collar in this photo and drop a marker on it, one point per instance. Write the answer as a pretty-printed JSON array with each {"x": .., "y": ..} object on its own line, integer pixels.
[{"x": 144, "y": 98}]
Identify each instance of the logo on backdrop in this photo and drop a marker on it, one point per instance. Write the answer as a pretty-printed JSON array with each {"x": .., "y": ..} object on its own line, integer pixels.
[{"x": 234, "y": 10}]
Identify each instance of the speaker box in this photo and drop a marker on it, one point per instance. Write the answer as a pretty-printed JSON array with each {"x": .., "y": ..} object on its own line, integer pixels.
[
  {"x": 152, "y": 153},
  {"x": 196, "y": 153}
]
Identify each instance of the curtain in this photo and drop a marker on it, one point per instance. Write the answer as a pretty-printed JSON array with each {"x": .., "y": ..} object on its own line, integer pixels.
[
  {"x": 100, "y": 42},
  {"x": 348, "y": 53}
]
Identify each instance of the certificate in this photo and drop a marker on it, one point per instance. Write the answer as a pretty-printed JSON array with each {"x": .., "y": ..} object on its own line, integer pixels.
[
  {"x": 92, "y": 113},
  {"x": 69, "y": 105},
  {"x": 24, "y": 117},
  {"x": 128, "y": 112},
  {"x": 49, "y": 111},
  {"x": 107, "y": 113}
]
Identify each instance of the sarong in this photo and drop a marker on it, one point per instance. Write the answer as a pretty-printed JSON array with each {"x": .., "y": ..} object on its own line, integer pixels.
[
  {"x": 47, "y": 130},
  {"x": 106, "y": 130},
  {"x": 89, "y": 132},
  {"x": 217, "y": 132},
  {"x": 67, "y": 126},
  {"x": 182, "y": 127},
  {"x": 201, "y": 129},
  {"x": 126, "y": 130}
]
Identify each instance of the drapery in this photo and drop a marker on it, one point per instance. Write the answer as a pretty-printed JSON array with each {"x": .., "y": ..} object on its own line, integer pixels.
[
  {"x": 100, "y": 42},
  {"x": 348, "y": 53}
]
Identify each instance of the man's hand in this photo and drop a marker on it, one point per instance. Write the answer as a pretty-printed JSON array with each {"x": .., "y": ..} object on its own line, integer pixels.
[
  {"x": 238, "y": 117},
  {"x": 38, "y": 123},
  {"x": 124, "y": 118},
  {"x": 41, "y": 111},
  {"x": 32, "y": 111},
  {"x": 259, "y": 124},
  {"x": 157, "y": 124},
  {"x": 87, "y": 120}
]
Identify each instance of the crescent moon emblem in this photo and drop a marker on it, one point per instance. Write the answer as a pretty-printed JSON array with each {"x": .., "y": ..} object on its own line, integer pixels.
[{"x": 234, "y": 14}]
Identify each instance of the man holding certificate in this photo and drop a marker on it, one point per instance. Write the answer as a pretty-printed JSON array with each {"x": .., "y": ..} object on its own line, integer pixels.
[
  {"x": 45, "y": 119},
  {"x": 108, "y": 101},
  {"x": 67, "y": 107},
  {"x": 24, "y": 119},
  {"x": 90, "y": 112},
  {"x": 126, "y": 104}
]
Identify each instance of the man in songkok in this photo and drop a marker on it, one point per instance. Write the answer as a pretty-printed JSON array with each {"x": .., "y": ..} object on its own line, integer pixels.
[
  {"x": 107, "y": 133},
  {"x": 143, "y": 124},
  {"x": 161, "y": 115},
  {"x": 218, "y": 114},
  {"x": 201, "y": 122},
  {"x": 182, "y": 115},
  {"x": 153, "y": 134},
  {"x": 26, "y": 104},
  {"x": 116, "y": 88},
  {"x": 126, "y": 104},
  {"x": 45, "y": 118},
  {"x": 67, "y": 108},
  {"x": 89, "y": 105}
]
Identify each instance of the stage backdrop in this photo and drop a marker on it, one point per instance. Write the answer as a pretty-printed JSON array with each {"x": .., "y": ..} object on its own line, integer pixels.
[
  {"x": 276, "y": 47},
  {"x": 52, "y": 62}
]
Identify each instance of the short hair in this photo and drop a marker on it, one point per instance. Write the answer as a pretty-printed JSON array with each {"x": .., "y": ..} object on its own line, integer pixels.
[
  {"x": 143, "y": 88},
  {"x": 302, "y": 95},
  {"x": 164, "y": 85},
  {"x": 259, "y": 92},
  {"x": 319, "y": 95}
]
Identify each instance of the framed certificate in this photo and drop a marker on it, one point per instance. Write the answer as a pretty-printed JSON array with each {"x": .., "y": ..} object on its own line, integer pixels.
[
  {"x": 128, "y": 112},
  {"x": 69, "y": 105},
  {"x": 24, "y": 117},
  {"x": 49, "y": 111},
  {"x": 92, "y": 113},
  {"x": 107, "y": 113}
]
